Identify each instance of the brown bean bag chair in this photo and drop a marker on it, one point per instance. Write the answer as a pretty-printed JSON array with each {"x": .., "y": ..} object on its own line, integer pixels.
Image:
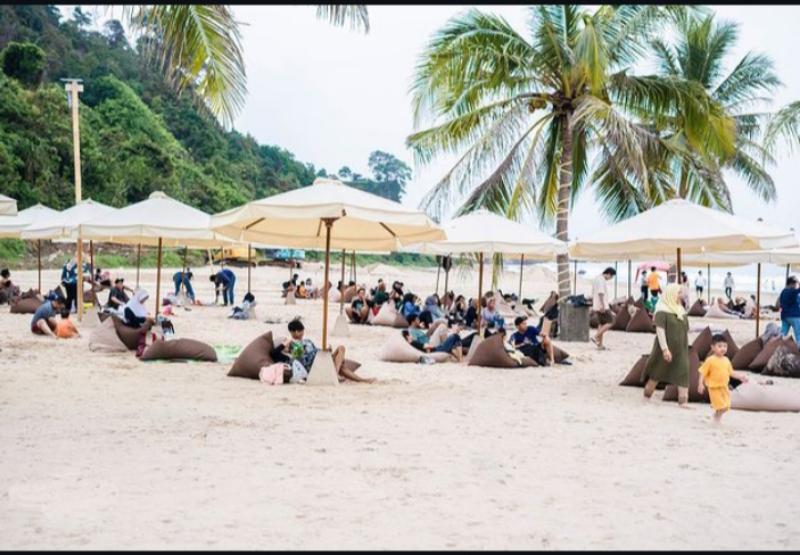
[
  {"x": 128, "y": 335},
  {"x": 635, "y": 376},
  {"x": 559, "y": 354},
  {"x": 30, "y": 294},
  {"x": 671, "y": 391},
  {"x": 702, "y": 343},
  {"x": 763, "y": 357},
  {"x": 349, "y": 293},
  {"x": 594, "y": 321},
  {"x": 491, "y": 353},
  {"x": 103, "y": 316},
  {"x": 698, "y": 309},
  {"x": 253, "y": 358},
  {"x": 398, "y": 349},
  {"x": 180, "y": 349},
  {"x": 90, "y": 296},
  {"x": 639, "y": 303},
  {"x": 768, "y": 398},
  {"x": 104, "y": 339},
  {"x": 622, "y": 319},
  {"x": 783, "y": 363},
  {"x": 24, "y": 305},
  {"x": 733, "y": 348},
  {"x": 745, "y": 356},
  {"x": 400, "y": 321},
  {"x": 641, "y": 322}
]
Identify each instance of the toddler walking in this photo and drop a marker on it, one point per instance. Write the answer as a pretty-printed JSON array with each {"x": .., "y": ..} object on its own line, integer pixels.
[{"x": 715, "y": 373}]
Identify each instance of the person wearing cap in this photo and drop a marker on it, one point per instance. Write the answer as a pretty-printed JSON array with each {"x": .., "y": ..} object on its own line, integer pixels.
[{"x": 117, "y": 298}]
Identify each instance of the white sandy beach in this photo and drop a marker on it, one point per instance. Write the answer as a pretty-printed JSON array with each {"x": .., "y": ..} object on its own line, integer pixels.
[{"x": 104, "y": 451}]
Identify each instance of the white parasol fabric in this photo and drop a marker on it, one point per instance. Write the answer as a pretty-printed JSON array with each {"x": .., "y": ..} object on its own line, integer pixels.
[
  {"x": 158, "y": 217},
  {"x": 295, "y": 219},
  {"x": 8, "y": 206},
  {"x": 774, "y": 256},
  {"x": 680, "y": 224},
  {"x": 65, "y": 224},
  {"x": 12, "y": 226},
  {"x": 483, "y": 231}
]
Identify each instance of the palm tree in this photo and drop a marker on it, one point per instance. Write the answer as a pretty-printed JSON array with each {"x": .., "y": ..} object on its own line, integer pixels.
[
  {"x": 699, "y": 55},
  {"x": 532, "y": 111},
  {"x": 199, "y": 45}
]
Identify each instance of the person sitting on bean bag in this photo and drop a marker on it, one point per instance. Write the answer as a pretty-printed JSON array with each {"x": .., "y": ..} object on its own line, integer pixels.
[
  {"x": 531, "y": 343},
  {"x": 489, "y": 314},
  {"x": 135, "y": 314},
  {"x": 358, "y": 311},
  {"x": 419, "y": 338}
]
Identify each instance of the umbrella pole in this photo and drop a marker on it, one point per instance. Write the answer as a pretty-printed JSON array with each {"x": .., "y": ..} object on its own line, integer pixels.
[
  {"x": 326, "y": 289},
  {"x": 438, "y": 269},
  {"x": 787, "y": 270},
  {"x": 480, "y": 292},
  {"x": 138, "y": 262},
  {"x": 575, "y": 278},
  {"x": 39, "y": 256},
  {"x": 629, "y": 278},
  {"x": 79, "y": 293},
  {"x": 158, "y": 277},
  {"x": 91, "y": 260},
  {"x": 355, "y": 277},
  {"x": 249, "y": 264},
  {"x": 616, "y": 279},
  {"x": 708, "y": 272},
  {"x": 342, "y": 290},
  {"x": 758, "y": 300},
  {"x": 678, "y": 277},
  {"x": 185, "y": 254},
  {"x": 521, "y": 267},
  {"x": 446, "y": 275}
]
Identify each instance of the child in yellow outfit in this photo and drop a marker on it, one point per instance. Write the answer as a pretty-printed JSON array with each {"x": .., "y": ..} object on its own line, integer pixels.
[{"x": 716, "y": 372}]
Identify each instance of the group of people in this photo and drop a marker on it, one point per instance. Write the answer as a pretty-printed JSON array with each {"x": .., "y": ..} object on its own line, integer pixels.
[{"x": 302, "y": 289}]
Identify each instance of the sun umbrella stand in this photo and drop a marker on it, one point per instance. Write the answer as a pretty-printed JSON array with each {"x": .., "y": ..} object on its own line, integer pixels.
[{"x": 323, "y": 371}]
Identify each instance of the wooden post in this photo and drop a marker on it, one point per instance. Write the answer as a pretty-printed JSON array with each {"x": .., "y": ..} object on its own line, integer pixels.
[
  {"x": 708, "y": 275},
  {"x": 79, "y": 294},
  {"x": 344, "y": 287},
  {"x": 480, "y": 293},
  {"x": 616, "y": 279},
  {"x": 446, "y": 275},
  {"x": 39, "y": 254},
  {"x": 185, "y": 254},
  {"x": 575, "y": 278},
  {"x": 138, "y": 262},
  {"x": 678, "y": 277},
  {"x": 630, "y": 272},
  {"x": 249, "y": 264},
  {"x": 158, "y": 277},
  {"x": 787, "y": 270},
  {"x": 758, "y": 300},
  {"x": 355, "y": 277},
  {"x": 91, "y": 260},
  {"x": 438, "y": 269},
  {"x": 521, "y": 267},
  {"x": 326, "y": 289}
]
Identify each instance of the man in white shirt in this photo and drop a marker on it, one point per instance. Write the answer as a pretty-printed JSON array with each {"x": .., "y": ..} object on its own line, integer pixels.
[
  {"x": 729, "y": 286},
  {"x": 699, "y": 284},
  {"x": 601, "y": 307}
]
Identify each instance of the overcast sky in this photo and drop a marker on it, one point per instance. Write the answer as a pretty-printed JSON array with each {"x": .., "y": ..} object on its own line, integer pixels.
[{"x": 331, "y": 95}]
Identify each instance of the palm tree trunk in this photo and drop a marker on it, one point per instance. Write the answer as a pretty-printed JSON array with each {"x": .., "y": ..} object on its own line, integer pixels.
[
  {"x": 683, "y": 191},
  {"x": 562, "y": 211}
]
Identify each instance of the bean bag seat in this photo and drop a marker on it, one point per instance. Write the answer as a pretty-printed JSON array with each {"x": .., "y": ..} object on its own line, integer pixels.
[
  {"x": 30, "y": 294},
  {"x": 398, "y": 349},
  {"x": 594, "y": 321},
  {"x": 622, "y": 319},
  {"x": 733, "y": 348},
  {"x": 783, "y": 363},
  {"x": 671, "y": 391},
  {"x": 386, "y": 315},
  {"x": 639, "y": 303},
  {"x": 180, "y": 349},
  {"x": 400, "y": 321},
  {"x": 349, "y": 293},
  {"x": 702, "y": 343},
  {"x": 104, "y": 339},
  {"x": 635, "y": 376},
  {"x": 492, "y": 354},
  {"x": 128, "y": 335},
  {"x": 698, "y": 309},
  {"x": 559, "y": 354},
  {"x": 641, "y": 322},
  {"x": 90, "y": 296},
  {"x": 334, "y": 295},
  {"x": 256, "y": 355},
  {"x": 745, "y": 356},
  {"x": 763, "y": 357},
  {"x": 716, "y": 312},
  {"x": 767, "y": 398},
  {"x": 24, "y": 305}
]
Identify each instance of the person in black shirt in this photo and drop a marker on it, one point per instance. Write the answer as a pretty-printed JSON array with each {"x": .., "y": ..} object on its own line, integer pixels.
[
  {"x": 358, "y": 311},
  {"x": 117, "y": 298}
]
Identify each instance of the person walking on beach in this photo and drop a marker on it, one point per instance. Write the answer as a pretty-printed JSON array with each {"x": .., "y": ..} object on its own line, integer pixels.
[
  {"x": 653, "y": 282},
  {"x": 789, "y": 304},
  {"x": 716, "y": 372},
  {"x": 729, "y": 286},
  {"x": 601, "y": 306},
  {"x": 643, "y": 285},
  {"x": 669, "y": 359},
  {"x": 699, "y": 284}
]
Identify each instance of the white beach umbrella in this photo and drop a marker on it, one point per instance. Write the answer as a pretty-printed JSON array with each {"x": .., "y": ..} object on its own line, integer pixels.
[
  {"x": 12, "y": 226},
  {"x": 327, "y": 215},
  {"x": 8, "y": 206},
  {"x": 483, "y": 232}
]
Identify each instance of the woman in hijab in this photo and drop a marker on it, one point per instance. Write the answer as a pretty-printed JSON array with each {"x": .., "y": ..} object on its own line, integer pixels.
[
  {"x": 135, "y": 313},
  {"x": 669, "y": 360},
  {"x": 433, "y": 305}
]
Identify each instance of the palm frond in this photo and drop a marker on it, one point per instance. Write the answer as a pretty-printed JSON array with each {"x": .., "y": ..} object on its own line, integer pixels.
[
  {"x": 754, "y": 74},
  {"x": 356, "y": 15},
  {"x": 784, "y": 125}
]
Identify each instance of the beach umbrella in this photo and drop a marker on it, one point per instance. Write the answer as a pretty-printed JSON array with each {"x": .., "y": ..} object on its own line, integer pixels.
[
  {"x": 159, "y": 221},
  {"x": 12, "y": 226},
  {"x": 483, "y": 232},
  {"x": 65, "y": 226},
  {"x": 327, "y": 215},
  {"x": 8, "y": 206}
]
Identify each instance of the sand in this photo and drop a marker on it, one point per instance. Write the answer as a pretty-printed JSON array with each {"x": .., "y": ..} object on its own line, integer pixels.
[{"x": 104, "y": 451}]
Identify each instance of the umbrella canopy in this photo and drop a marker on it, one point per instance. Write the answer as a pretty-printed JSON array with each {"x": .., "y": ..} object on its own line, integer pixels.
[
  {"x": 8, "y": 206},
  {"x": 773, "y": 256},
  {"x": 159, "y": 217},
  {"x": 483, "y": 231},
  {"x": 680, "y": 224},
  {"x": 65, "y": 224},
  {"x": 295, "y": 219},
  {"x": 12, "y": 226}
]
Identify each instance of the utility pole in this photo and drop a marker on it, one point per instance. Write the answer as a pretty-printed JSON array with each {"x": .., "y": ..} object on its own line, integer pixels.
[{"x": 73, "y": 87}]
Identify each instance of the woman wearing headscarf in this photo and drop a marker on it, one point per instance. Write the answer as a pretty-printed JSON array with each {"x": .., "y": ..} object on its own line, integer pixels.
[
  {"x": 135, "y": 313},
  {"x": 669, "y": 360}
]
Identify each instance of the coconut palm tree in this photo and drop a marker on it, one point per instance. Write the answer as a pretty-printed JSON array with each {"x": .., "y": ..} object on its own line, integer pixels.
[
  {"x": 530, "y": 111},
  {"x": 199, "y": 46},
  {"x": 699, "y": 54}
]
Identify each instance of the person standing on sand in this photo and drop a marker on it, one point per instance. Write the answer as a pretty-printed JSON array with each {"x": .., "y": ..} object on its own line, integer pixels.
[
  {"x": 699, "y": 284},
  {"x": 669, "y": 359},
  {"x": 601, "y": 307},
  {"x": 653, "y": 282},
  {"x": 729, "y": 286},
  {"x": 789, "y": 304},
  {"x": 643, "y": 285}
]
